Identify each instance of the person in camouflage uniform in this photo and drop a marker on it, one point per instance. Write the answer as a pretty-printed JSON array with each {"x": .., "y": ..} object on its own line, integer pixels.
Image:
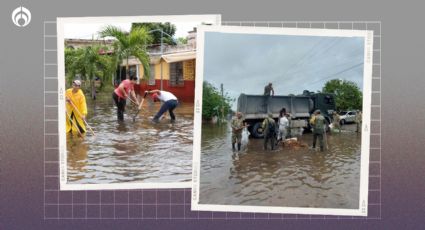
[
  {"x": 268, "y": 93},
  {"x": 358, "y": 120},
  {"x": 336, "y": 121},
  {"x": 317, "y": 121},
  {"x": 269, "y": 131},
  {"x": 237, "y": 127}
]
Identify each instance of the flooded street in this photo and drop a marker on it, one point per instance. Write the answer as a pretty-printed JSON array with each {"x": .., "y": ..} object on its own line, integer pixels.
[
  {"x": 288, "y": 176},
  {"x": 131, "y": 151}
]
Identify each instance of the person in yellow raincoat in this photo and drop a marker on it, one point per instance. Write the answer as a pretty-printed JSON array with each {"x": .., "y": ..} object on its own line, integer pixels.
[{"x": 76, "y": 109}]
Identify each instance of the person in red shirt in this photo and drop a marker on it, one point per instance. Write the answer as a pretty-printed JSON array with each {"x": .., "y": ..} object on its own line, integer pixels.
[{"x": 120, "y": 94}]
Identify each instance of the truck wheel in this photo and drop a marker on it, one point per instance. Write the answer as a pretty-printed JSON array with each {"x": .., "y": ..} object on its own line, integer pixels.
[{"x": 257, "y": 130}]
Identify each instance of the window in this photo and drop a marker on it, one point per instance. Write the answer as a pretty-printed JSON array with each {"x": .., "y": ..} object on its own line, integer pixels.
[
  {"x": 176, "y": 74},
  {"x": 152, "y": 75},
  {"x": 121, "y": 73},
  {"x": 133, "y": 69},
  {"x": 328, "y": 100}
]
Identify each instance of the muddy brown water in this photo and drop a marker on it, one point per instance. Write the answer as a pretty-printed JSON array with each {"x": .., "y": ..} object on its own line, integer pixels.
[
  {"x": 131, "y": 151},
  {"x": 286, "y": 177}
]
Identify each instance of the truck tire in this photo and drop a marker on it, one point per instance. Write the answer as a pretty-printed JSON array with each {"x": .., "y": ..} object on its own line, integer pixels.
[{"x": 257, "y": 130}]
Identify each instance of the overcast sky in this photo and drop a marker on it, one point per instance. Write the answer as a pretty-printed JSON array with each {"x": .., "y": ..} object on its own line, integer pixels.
[
  {"x": 90, "y": 30},
  {"x": 245, "y": 63}
]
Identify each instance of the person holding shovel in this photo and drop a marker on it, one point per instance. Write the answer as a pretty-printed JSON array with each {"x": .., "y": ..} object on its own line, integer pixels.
[
  {"x": 76, "y": 109},
  {"x": 317, "y": 121},
  {"x": 122, "y": 92},
  {"x": 169, "y": 100}
]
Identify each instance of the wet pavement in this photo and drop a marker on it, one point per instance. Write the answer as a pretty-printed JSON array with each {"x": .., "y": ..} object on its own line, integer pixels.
[
  {"x": 131, "y": 151},
  {"x": 293, "y": 176}
]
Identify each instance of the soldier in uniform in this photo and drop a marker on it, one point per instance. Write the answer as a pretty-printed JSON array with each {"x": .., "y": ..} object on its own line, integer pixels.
[
  {"x": 269, "y": 131},
  {"x": 237, "y": 127},
  {"x": 318, "y": 123},
  {"x": 358, "y": 120},
  {"x": 268, "y": 92},
  {"x": 336, "y": 121}
]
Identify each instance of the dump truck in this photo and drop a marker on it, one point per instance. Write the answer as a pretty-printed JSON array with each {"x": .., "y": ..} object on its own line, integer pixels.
[{"x": 257, "y": 107}]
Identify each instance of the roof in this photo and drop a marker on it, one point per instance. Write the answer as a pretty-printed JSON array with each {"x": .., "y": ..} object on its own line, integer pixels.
[
  {"x": 178, "y": 57},
  {"x": 169, "y": 58}
]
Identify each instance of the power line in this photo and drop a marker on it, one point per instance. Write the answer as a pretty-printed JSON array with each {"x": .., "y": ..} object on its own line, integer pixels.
[
  {"x": 308, "y": 53},
  {"x": 318, "y": 65},
  {"x": 324, "y": 50},
  {"x": 342, "y": 71}
]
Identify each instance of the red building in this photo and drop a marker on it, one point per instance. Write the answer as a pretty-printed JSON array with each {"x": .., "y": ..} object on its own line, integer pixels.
[{"x": 173, "y": 72}]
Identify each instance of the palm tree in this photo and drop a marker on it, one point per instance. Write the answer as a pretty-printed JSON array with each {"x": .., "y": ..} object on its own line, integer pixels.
[
  {"x": 129, "y": 44},
  {"x": 89, "y": 64}
]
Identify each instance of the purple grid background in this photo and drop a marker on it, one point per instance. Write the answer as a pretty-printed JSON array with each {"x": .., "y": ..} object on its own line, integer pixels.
[{"x": 175, "y": 203}]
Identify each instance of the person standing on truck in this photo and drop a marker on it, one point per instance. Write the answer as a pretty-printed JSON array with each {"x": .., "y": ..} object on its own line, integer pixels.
[
  {"x": 268, "y": 92},
  {"x": 237, "y": 128},
  {"x": 358, "y": 120},
  {"x": 269, "y": 131},
  {"x": 317, "y": 121}
]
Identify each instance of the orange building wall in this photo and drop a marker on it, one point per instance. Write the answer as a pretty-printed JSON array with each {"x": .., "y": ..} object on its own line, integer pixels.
[{"x": 185, "y": 93}]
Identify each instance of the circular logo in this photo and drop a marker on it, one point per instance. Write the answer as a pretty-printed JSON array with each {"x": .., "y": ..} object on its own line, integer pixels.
[{"x": 21, "y": 16}]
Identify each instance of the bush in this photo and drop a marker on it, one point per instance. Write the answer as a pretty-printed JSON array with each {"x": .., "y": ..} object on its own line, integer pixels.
[{"x": 213, "y": 104}]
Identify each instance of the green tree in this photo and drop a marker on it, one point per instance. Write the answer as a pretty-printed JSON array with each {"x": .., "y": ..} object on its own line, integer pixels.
[
  {"x": 213, "y": 103},
  {"x": 181, "y": 41},
  {"x": 347, "y": 94},
  {"x": 166, "y": 27},
  {"x": 88, "y": 63},
  {"x": 129, "y": 44}
]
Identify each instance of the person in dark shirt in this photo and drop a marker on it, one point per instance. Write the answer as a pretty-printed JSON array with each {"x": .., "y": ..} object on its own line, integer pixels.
[{"x": 268, "y": 92}]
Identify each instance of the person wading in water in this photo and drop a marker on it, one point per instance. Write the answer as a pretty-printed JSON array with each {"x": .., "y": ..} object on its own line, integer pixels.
[{"x": 76, "y": 109}]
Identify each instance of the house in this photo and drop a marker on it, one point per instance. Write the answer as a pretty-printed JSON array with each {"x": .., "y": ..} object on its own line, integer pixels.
[
  {"x": 172, "y": 67},
  {"x": 174, "y": 71},
  {"x": 80, "y": 43}
]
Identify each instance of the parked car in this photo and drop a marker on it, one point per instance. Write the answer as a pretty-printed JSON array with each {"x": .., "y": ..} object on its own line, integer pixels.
[{"x": 347, "y": 117}]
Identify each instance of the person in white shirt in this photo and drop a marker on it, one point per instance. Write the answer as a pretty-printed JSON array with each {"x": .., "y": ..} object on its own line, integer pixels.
[
  {"x": 170, "y": 102},
  {"x": 283, "y": 126}
]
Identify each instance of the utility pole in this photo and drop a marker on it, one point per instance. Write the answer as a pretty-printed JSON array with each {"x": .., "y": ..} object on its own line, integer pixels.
[
  {"x": 222, "y": 103},
  {"x": 162, "y": 53}
]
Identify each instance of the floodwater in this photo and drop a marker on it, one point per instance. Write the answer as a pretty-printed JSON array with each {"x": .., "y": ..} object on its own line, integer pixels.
[
  {"x": 286, "y": 177},
  {"x": 131, "y": 151}
]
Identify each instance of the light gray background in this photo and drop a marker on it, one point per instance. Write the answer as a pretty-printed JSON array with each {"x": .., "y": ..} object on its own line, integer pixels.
[{"x": 403, "y": 107}]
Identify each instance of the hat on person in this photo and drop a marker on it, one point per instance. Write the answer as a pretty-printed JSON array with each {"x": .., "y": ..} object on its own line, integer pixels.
[
  {"x": 271, "y": 115},
  {"x": 155, "y": 97},
  {"x": 317, "y": 111},
  {"x": 76, "y": 82}
]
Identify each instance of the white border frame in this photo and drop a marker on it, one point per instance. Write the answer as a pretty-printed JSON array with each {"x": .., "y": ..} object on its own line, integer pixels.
[
  {"x": 365, "y": 139},
  {"x": 215, "y": 18}
]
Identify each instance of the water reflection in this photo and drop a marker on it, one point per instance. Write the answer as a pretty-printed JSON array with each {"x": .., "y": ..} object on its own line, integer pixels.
[
  {"x": 132, "y": 151},
  {"x": 290, "y": 177}
]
